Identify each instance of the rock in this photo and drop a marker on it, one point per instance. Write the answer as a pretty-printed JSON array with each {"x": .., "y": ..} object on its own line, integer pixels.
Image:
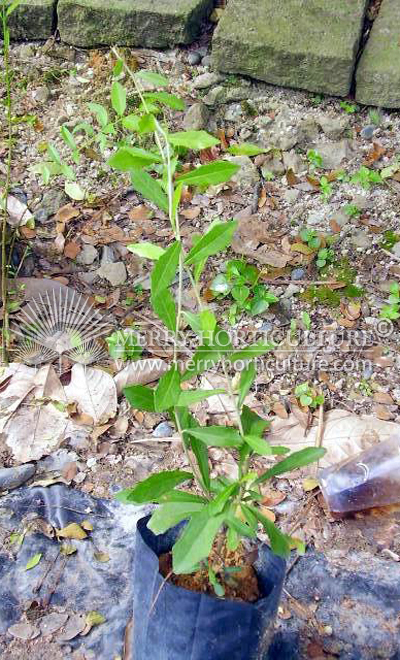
[
  {"x": 143, "y": 23},
  {"x": 333, "y": 153},
  {"x": 33, "y": 20},
  {"x": 193, "y": 58},
  {"x": 115, "y": 273},
  {"x": 51, "y": 202},
  {"x": 291, "y": 291},
  {"x": 163, "y": 430},
  {"x": 333, "y": 127},
  {"x": 107, "y": 256},
  {"x": 291, "y": 195},
  {"x": 310, "y": 45},
  {"x": 396, "y": 249},
  {"x": 248, "y": 174},
  {"x": 215, "y": 96},
  {"x": 361, "y": 201},
  {"x": 207, "y": 79},
  {"x": 361, "y": 239},
  {"x": 24, "y": 631},
  {"x": 283, "y": 133},
  {"x": 378, "y": 73},
  {"x": 367, "y": 132},
  {"x": 293, "y": 161},
  {"x": 16, "y": 476},
  {"x": 233, "y": 112},
  {"x": 87, "y": 255},
  {"x": 274, "y": 166},
  {"x": 41, "y": 95},
  {"x": 196, "y": 117},
  {"x": 26, "y": 52},
  {"x": 309, "y": 129},
  {"x": 298, "y": 274},
  {"x": 206, "y": 61}
]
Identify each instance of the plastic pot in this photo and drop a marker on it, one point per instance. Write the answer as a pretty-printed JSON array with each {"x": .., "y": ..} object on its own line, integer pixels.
[{"x": 184, "y": 624}]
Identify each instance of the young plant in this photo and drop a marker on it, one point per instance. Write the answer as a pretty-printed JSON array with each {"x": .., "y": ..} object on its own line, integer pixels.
[
  {"x": 366, "y": 177},
  {"x": 352, "y": 210},
  {"x": 314, "y": 158},
  {"x": 240, "y": 282},
  {"x": 307, "y": 396},
  {"x": 350, "y": 108},
  {"x": 124, "y": 345},
  {"x": 392, "y": 310},
  {"x": 311, "y": 238},
  {"x": 325, "y": 257},
  {"x": 326, "y": 188},
  {"x": 226, "y": 507}
]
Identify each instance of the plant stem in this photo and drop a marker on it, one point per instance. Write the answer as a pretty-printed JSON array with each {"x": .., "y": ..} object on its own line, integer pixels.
[{"x": 4, "y": 205}]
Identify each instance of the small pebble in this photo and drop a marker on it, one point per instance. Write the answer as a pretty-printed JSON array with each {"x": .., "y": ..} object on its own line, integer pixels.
[
  {"x": 367, "y": 132},
  {"x": 194, "y": 58},
  {"x": 206, "y": 61},
  {"x": 163, "y": 430},
  {"x": 298, "y": 274}
]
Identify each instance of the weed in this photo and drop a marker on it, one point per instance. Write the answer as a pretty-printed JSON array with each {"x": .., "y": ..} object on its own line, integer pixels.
[
  {"x": 389, "y": 240},
  {"x": 240, "y": 282},
  {"x": 307, "y": 396},
  {"x": 311, "y": 238},
  {"x": 314, "y": 158},
  {"x": 326, "y": 188},
  {"x": 366, "y": 177},
  {"x": 350, "y": 108},
  {"x": 392, "y": 310},
  {"x": 325, "y": 257},
  {"x": 352, "y": 210}
]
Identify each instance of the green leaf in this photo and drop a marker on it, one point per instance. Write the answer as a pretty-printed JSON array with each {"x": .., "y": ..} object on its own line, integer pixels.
[
  {"x": 74, "y": 191},
  {"x": 181, "y": 496},
  {"x": 131, "y": 123},
  {"x": 146, "y": 250},
  {"x": 280, "y": 543},
  {"x": 153, "y": 78},
  {"x": 240, "y": 293},
  {"x": 164, "y": 306},
  {"x": 246, "y": 149},
  {"x": 196, "y": 542},
  {"x": 259, "y": 445},
  {"x": 13, "y": 7},
  {"x": 189, "y": 398},
  {"x": 170, "y": 514},
  {"x": 296, "y": 460},
  {"x": 152, "y": 488},
  {"x": 100, "y": 112},
  {"x": 252, "y": 423},
  {"x": 217, "y": 436},
  {"x": 34, "y": 561},
  {"x": 132, "y": 158},
  {"x": 241, "y": 528},
  {"x": 220, "y": 171},
  {"x": 140, "y": 397},
  {"x": 147, "y": 124},
  {"x": 164, "y": 271},
  {"x": 193, "y": 140},
  {"x": 170, "y": 100},
  {"x": 251, "y": 352},
  {"x": 118, "y": 98},
  {"x": 246, "y": 380},
  {"x": 217, "y": 505},
  {"x": 149, "y": 188},
  {"x": 54, "y": 154},
  {"x": 68, "y": 138},
  {"x": 167, "y": 392},
  {"x": 215, "y": 240}
]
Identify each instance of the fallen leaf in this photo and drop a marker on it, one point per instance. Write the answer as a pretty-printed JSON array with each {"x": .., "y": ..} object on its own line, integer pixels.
[
  {"x": 141, "y": 212},
  {"x": 94, "y": 391},
  {"x": 17, "y": 212},
  {"x": 33, "y": 561},
  {"x": 24, "y": 631},
  {"x": 291, "y": 178},
  {"x": 280, "y": 409},
  {"x": 72, "y": 531},
  {"x": 383, "y": 397},
  {"x": 302, "y": 248},
  {"x": 345, "y": 434},
  {"x": 87, "y": 525},
  {"x": 74, "y": 626},
  {"x": 67, "y": 549},
  {"x": 310, "y": 484},
  {"x": 382, "y": 412},
  {"x": 140, "y": 372},
  {"x": 191, "y": 214},
  {"x": 71, "y": 250},
  {"x": 268, "y": 513},
  {"x": 103, "y": 557},
  {"x": 66, "y": 213}
]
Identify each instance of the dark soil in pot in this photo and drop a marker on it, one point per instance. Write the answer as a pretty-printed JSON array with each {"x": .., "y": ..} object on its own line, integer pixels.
[{"x": 173, "y": 623}]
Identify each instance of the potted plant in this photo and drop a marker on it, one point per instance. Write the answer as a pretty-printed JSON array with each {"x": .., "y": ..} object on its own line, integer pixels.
[{"x": 200, "y": 590}]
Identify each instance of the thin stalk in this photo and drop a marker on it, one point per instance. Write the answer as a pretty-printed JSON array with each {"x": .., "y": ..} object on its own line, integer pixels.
[{"x": 4, "y": 269}]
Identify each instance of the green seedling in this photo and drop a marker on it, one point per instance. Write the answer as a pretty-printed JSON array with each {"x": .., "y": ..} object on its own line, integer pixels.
[
  {"x": 124, "y": 345},
  {"x": 240, "y": 283},
  {"x": 352, "y": 210},
  {"x": 311, "y": 238},
  {"x": 350, "y": 108},
  {"x": 326, "y": 188},
  {"x": 366, "y": 177},
  {"x": 325, "y": 257},
  {"x": 392, "y": 310},
  {"x": 307, "y": 396},
  {"x": 314, "y": 158}
]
